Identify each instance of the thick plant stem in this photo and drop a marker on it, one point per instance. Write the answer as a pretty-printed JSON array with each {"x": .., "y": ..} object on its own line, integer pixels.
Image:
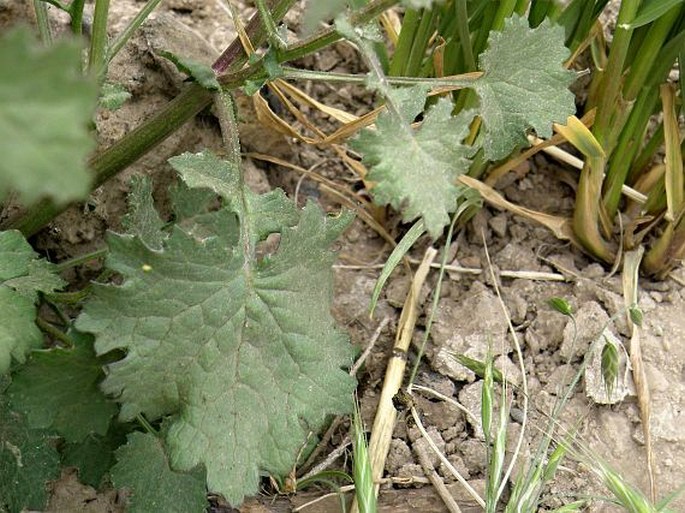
[
  {"x": 191, "y": 101},
  {"x": 135, "y": 144},
  {"x": 98, "y": 39},
  {"x": 329, "y": 36},
  {"x": 670, "y": 247},
  {"x": 611, "y": 109},
  {"x": 124, "y": 152},
  {"x": 41, "y": 10},
  {"x": 587, "y": 211},
  {"x": 76, "y": 14},
  {"x": 410, "y": 24},
  {"x": 235, "y": 55},
  {"x": 610, "y": 103}
]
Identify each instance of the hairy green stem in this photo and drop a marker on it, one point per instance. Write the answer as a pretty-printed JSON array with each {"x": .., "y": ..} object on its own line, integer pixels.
[
  {"x": 81, "y": 259},
  {"x": 98, "y": 39},
  {"x": 107, "y": 163},
  {"x": 75, "y": 11},
  {"x": 42, "y": 21},
  {"x": 270, "y": 26},
  {"x": 458, "y": 81},
  {"x": 135, "y": 144},
  {"x": 328, "y": 36},
  {"x": 234, "y": 55},
  {"x": 124, "y": 152},
  {"x": 54, "y": 332}
]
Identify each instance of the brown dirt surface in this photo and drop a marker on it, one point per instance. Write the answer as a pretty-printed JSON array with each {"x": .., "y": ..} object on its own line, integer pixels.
[{"x": 469, "y": 318}]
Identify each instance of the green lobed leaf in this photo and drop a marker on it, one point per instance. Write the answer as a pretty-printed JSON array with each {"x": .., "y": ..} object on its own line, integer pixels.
[
  {"x": 27, "y": 461},
  {"x": 94, "y": 456},
  {"x": 244, "y": 349},
  {"x": 319, "y": 10},
  {"x": 58, "y": 389},
  {"x": 201, "y": 73},
  {"x": 143, "y": 469},
  {"x": 21, "y": 276},
  {"x": 113, "y": 96},
  {"x": 189, "y": 203},
  {"x": 415, "y": 170},
  {"x": 261, "y": 214},
  {"x": 46, "y": 105},
  {"x": 142, "y": 219},
  {"x": 524, "y": 85}
]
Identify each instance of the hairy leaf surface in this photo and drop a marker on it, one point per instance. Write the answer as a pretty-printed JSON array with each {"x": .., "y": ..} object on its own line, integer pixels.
[
  {"x": 242, "y": 348},
  {"x": 142, "y": 219},
  {"x": 46, "y": 104},
  {"x": 28, "y": 460},
  {"x": 143, "y": 469},
  {"x": 21, "y": 276},
  {"x": 415, "y": 170},
  {"x": 58, "y": 389},
  {"x": 524, "y": 85},
  {"x": 94, "y": 456}
]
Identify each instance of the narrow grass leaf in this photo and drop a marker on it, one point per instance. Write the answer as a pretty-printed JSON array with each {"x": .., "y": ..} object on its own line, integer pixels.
[
  {"x": 570, "y": 507},
  {"x": 580, "y": 136},
  {"x": 629, "y": 497},
  {"x": 553, "y": 462},
  {"x": 497, "y": 454},
  {"x": 394, "y": 259},
  {"x": 363, "y": 477},
  {"x": 478, "y": 367},
  {"x": 663, "y": 503},
  {"x": 674, "y": 179},
  {"x": 487, "y": 393},
  {"x": 650, "y": 10}
]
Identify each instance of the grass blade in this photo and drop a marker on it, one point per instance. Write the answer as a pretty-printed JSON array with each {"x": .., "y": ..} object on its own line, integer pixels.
[
  {"x": 581, "y": 137},
  {"x": 363, "y": 478},
  {"x": 394, "y": 259},
  {"x": 651, "y": 11}
]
